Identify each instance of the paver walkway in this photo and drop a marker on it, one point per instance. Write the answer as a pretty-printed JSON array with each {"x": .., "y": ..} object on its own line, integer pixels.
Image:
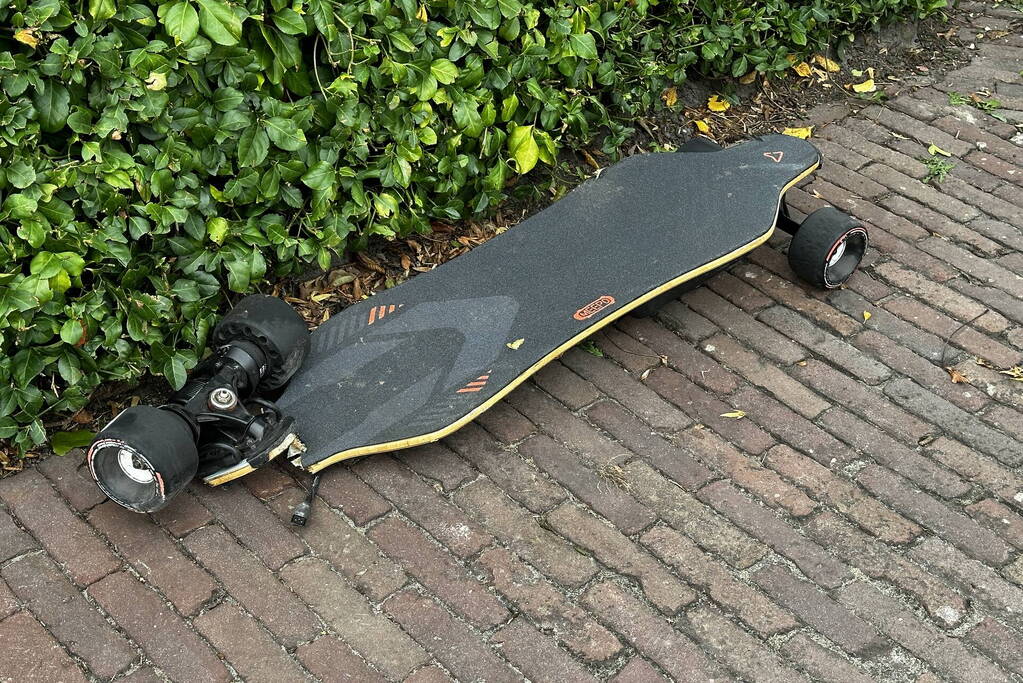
[{"x": 863, "y": 520}]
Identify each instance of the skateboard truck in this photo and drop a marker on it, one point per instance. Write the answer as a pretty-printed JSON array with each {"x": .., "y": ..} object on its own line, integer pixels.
[{"x": 215, "y": 426}]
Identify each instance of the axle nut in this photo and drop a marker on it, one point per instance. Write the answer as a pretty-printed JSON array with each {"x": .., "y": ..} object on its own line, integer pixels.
[{"x": 223, "y": 398}]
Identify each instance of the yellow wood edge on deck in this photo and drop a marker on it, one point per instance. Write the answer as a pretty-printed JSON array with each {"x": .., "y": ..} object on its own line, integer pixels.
[{"x": 614, "y": 315}]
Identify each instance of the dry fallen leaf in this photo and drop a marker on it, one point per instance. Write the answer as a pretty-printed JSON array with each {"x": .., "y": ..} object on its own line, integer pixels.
[
  {"x": 866, "y": 316},
  {"x": 156, "y": 81},
  {"x": 701, "y": 125},
  {"x": 867, "y": 85},
  {"x": 735, "y": 414},
  {"x": 801, "y": 133},
  {"x": 934, "y": 149},
  {"x": 670, "y": 96},
  {"x": 748, "y": 78},
  {"x": 515, "y": 344},
  {"x": 957, "y": 377},
  {"x": 803, "y": 69},
  {"x": 828, "y": 64},
  {"x": 26, "y": 36},
  {"x": 715, "y": 103}
]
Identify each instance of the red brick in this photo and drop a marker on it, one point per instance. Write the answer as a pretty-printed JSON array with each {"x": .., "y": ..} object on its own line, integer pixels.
[
  {"x": 708, "y": 409},
  {"x": 627, "y": 390},
  {"x": 8, "y": 603},
  {"x": 183, "y": 515},
  {"x": 616, "y": 345},
  {"x": 536, "y": 655},
  {"x": 702, "y": 571},
  {"x": 970, "y": 133},
  {"x": 699, "y": 522},
  {"x": 813, "y": 560},
  {"x": 66, "y": 537},
  {"x": 522, "y": 534},
  {"x": 854, "y": 396},
  {"x": 999, "y": 643},
  {"x": 141, "y": 675},
  {"x": 847, "y": 138},
  {"x": 984, "y": 270},
  {"x": 71, "y": 477},
  {"x": 887, "y": 451},
  {"x": 966, "y": 427},
  {"x": 765, "y": 375},
  {"x": 423, "y": 505},
  {"x": 1004, "y": 418},
  {"x": 330, "y": 659},
  {"x": 938, "y": 225},
  {"x": 31, "y": 654},
  {"x": 249, "y": 650},
  {"x": 685, "y": 321},
  {"x": 946, "y": 655},
  {"x": 650, "y": 634},
  {"x": 252, "y": 585},
  {"x": 595, "y": 487},
  {"x": 506, "y": 469},
  {"x": 70, "y": 619},
  {"x": 845, "y": 496},
  {"x": 620, "y": 554},
  {"x": 744, "y": 327},
  {"x": 819, "y": 611},
  {"x": 439, "y": 572},
  {"x": 919, "y": 131},
  {"x": 637, "y": 670},
  {"x": 879, "y": 562},
  {"x": 267, "y": 482},
  {"x": 255, "y": 526},
  {"x": 821, "y": 663},
  {"x": 340, "y": 488},
  {"x": 738, "y": 292},
  {"x": 955, "y": 304},
  {"x": 453, "y": 644},
  {"x": 566, "y": 386},
  {"x": 999, "y": 519},
  {"x": 925, "y": 510},
  {"x": 547, "y": 607},
  {"x": 333, "y": 538},
  {"x": 980, "y": 582},
  {"x": 437, "y": 462},
  {"x": 851, "y": 181},
  {"x": 656, "y": 450},
  {"x": 168, "y": 642},
  {"x": 746, "y": 656},
  {"x": 350, "y": 615},
  {"x": 924, "y": 372},
  {"x": 154, "y": 556},
  {"x": 979, "y": 468},
  {"x": 429, "y": 674},
  {"x": 506, "y": 423},
  {"x": 13, "y": 541},
  {"x": 991, "y": 204},
  {"x": 923, "y": 343}
]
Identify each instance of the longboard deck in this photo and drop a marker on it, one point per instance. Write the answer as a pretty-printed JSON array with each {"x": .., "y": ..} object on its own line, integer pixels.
[{"x": 414, "y": 363}]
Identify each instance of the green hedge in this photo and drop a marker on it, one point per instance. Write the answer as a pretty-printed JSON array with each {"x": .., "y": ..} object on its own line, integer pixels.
[{"x": 152, "y": 155}]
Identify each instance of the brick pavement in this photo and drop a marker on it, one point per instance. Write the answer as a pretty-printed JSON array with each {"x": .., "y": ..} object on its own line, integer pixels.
[{"x": 863, "y": 521}]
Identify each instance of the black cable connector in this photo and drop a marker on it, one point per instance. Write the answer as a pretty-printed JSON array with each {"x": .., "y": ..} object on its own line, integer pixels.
[{"x": 304, "y": 510}]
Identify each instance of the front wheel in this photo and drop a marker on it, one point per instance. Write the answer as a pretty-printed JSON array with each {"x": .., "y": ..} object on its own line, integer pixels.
[
  {"x": 144, "y": 457},
  {"x": 275, "y": 328},
  {"x": 827, "y": 247}
]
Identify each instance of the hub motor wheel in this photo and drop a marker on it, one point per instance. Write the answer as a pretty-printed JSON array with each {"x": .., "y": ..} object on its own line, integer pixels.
[
  {"x": 275, "y": 328},
  {"x": 144, "y": 457},
  {"x": 827, "y": 247}
]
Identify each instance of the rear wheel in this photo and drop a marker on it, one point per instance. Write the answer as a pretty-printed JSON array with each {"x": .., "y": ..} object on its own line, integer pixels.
[
  {"x": 275, "y": 328},
  {"x": 144, "y": 457},
  {"x": 827, "y": 247}
]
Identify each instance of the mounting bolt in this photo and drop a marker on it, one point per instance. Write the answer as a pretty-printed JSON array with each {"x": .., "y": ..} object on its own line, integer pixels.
[{"x": 223, "y": 398}]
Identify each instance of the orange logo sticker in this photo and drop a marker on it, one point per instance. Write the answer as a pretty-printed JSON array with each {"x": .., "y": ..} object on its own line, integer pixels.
[
  {"x": 594, "y": 307},
  {"x": 776, "y": 157}
]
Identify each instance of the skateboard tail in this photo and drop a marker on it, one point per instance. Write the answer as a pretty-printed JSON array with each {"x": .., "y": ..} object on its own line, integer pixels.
[{"x": 603, "y": 315}]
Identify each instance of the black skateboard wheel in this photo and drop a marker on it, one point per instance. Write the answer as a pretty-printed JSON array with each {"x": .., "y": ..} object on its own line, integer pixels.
[
  {"x": 275, "y": 328},
  {"x": 700, "y": 144},
  {"x": 144, "y": 457},
  {"x": 827, "y": 247}
]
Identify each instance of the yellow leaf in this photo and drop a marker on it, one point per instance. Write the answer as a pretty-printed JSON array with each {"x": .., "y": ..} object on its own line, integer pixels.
[
  {"x": 515, "y": 344},
  {"x": 670, "y": 96},
  {"x": 827, "y": 64},
  {"x": 803, "y": 69},
  {"x": 26, "y": 36},
  {"x": 701, "y": 125},
  {"x": 866, "y": 316},
  {"x": 748, "y": 78},
  {"x": 421, "y": 14},
  {"x": 801, "y": 133},
  {"x": 735, "y": 414},
  {"x": 934, "y": 149},
  {"x": 865, "y": 86},
  {"x": 156, "y": 81},
  {"x": 715, "y": 103}
]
